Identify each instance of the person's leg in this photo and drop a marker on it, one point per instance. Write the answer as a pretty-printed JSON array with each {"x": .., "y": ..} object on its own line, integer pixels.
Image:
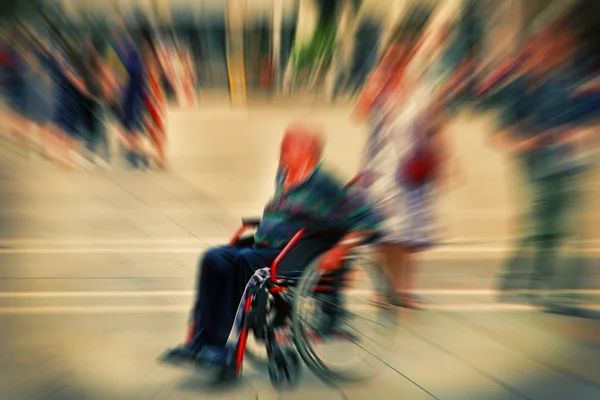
[
  {"x": 514, "y": 274},
  {"x": 141, "y": 152},
  {"x": 216, "y": 267},
  {"x": 89, "y": 129},
  {"x": 544, "y": 263},
  {"x": 96, "y": 128},
  {"x": 103, "y": 146},
  {"x": 406, "y": 273},
  {"x": 135, "y": 144},
  {"x": 393, "y": 268},
  {"x": 396, "y": 261},
  {"x": 222, "y": 277},
  {"x": 553, "y": 219},
  {"x": 407, "y": 278},
  {"x": 514, "y": 270},
  {"x": 130, "y": 142}
]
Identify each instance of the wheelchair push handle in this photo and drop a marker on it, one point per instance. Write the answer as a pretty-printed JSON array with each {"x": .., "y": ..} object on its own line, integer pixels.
[{"x": 251, "y": 222}]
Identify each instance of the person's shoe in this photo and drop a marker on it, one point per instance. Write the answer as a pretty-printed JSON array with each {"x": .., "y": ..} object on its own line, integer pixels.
[
  {"x": 510, "y": 296},
  {"x": 411, "y": 301},
  {"x": 131, "y": 159},
  {"x": 539, "y": 290},
  {"x": 387, "y": 299},
  {"x": 210, "y": 356},
  {"x": 537, "y": 300},
  {"x": 181, "y": 354},
  {"x": 227, "y": 374}
]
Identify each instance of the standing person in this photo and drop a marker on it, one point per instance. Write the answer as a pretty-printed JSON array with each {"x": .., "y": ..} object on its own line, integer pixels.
[
  {"x": 407, "y": 120},
  {"x": 155, "y": 100},
  {"x": 364, "y": 58},
  {"x": 538, "y": 128},
  {"x": 69, "y": 111},
  {"x": 95, "y": 77},
  {"x": 132, "y": 103},
  {"x": 17, "y": 91},
  {"x": 189, "y": 78},
  {"x": 41, "y": 95}
]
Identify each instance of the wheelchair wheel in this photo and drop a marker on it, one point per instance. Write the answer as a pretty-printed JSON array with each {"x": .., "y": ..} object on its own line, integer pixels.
[
  {"x": 256, "y": 352},
  {"x": 338, "y": 331},
  {"x": 285, "y": 368}
]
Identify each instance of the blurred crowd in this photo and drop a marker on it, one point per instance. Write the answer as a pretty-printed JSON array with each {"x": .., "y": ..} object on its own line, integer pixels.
[{"x": 81, "y": 96}]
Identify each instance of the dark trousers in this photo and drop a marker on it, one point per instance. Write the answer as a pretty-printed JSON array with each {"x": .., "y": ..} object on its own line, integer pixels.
[
  {"x": 224, "y": 273},
  {"x": 97, "y": 139},
  {"x": 222, "y": 277},
  {"x": 534, "y": 266}
]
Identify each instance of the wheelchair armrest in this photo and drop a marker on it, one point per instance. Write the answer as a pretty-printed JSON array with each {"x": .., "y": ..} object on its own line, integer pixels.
[
  {"x": 243, "y": 241},
  {"x": 250, "y": 221},
  {"x": 246, "y": 224}
]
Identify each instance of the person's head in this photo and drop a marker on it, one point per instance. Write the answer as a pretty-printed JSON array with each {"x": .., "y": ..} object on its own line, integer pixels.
[
  {"x": 301, "y": 148},
  {"x": 405, "y": 40}
]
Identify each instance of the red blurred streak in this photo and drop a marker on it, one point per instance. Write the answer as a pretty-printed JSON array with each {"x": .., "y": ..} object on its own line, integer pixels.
[
  {"x": 382, "y": 77},
  {"x": 279, "y": 289},
  {"x": 241, "y": 348},
  {"x": 285, "y": 250}
]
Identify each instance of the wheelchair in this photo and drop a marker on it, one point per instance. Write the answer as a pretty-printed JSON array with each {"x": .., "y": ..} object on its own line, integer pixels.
[{"x": 294, "y": 318}]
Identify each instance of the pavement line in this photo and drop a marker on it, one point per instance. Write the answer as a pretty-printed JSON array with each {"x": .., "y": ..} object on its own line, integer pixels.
[
  {"x": 94, "y": 310},
  {"x": 171, "y": 309},
  {"x": 91, "y": 241},
  {"x": 188, "y": 293},
  {"x": 485, "y": 244},
  {"x": 104, "y": 250},
  {"x": 461, "y": 251}
]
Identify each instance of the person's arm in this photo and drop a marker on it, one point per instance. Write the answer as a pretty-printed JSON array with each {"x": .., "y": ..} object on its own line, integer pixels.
[
  {"x": 509, "y": 142},
  {"x": 514, "y": 118},
  {"x": 109, "y": 83},
  {"x": 359, "y": 219}
]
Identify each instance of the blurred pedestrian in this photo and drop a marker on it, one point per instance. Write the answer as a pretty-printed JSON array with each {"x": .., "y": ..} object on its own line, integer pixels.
[
  {"x": 132, "y": 109},
  {"x": 404, "y": 154},
  {"x": 71, "y": 100},
  {"x": 41, "y": 94},
  {"x": 16, "y": 85},
  {"x": 95, "y": 76},
  {"x": 155, "y": 101},
  {"x": 539, "y": 128}
]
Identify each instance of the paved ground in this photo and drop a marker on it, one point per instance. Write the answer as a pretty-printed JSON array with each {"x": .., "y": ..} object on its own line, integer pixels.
[{"x": 96, "y": 277}]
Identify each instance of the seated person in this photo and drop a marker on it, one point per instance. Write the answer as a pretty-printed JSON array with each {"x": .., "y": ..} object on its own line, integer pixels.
[{"x": 305, "y": 195}]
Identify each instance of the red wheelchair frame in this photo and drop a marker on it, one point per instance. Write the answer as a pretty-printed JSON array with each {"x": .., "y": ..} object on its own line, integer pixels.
[
  {"x": 275, "y": 288},
  {"x": 276, "y": 285}
]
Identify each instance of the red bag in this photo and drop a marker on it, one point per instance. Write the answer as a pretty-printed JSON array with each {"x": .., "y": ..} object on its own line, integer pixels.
[{"x": 421, "y": 167}]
